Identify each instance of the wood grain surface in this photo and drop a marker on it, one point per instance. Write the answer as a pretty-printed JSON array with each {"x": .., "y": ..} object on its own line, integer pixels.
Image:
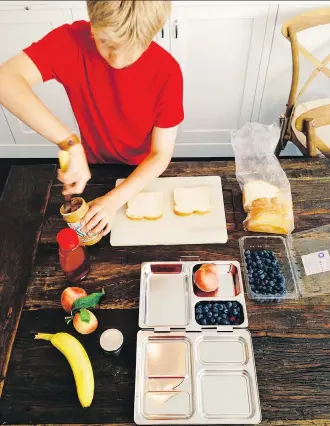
[
  {"x": 291, "y": 340},
  {"x": 22, "y": 208}
]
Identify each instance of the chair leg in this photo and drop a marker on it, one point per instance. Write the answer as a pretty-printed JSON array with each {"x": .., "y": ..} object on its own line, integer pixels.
[
  {"x": 309, "y": 131},
  {"x": 281, "y": 144}
]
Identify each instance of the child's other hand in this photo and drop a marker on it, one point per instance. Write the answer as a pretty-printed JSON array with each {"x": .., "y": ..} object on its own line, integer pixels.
[
  {"x": 78, "y": 174},
  {"x": 100, "y": 216}
]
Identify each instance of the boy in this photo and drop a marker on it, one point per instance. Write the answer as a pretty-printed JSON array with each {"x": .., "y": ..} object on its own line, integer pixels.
[{"x": 125, "y": 91}]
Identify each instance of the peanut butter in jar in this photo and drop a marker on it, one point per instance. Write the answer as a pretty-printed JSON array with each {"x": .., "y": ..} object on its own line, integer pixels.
[{"x": 73, "y": 218}]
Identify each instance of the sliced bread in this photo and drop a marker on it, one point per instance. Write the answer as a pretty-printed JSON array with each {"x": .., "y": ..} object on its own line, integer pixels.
[
  {"x": 188, "y": 201},
  {"x": 256, "y": 190},
  {"x": 146, "y": 205}
]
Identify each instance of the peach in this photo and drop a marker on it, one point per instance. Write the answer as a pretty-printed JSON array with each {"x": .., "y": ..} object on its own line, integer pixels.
[
  {"x": 206, "y": 278},
  {"x": 85, "y": 327}
]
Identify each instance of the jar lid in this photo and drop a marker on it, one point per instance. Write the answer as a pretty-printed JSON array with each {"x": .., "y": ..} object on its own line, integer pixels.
[
  {"x": 68, "y": 239},
  {"x": 111, "y": 340}
]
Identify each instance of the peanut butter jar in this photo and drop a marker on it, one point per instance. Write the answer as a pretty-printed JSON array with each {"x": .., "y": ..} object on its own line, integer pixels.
[{"x": 73, "y": 218}]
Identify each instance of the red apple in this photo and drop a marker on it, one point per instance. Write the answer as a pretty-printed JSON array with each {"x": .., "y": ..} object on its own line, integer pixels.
[
  {"x": 69, "y": 295},
  {"x": 206, "y": 278},
  {"x": 85, "y": 327}
]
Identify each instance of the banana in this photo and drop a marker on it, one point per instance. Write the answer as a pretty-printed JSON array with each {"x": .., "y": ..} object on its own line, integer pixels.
[{"x": 79, "y": 361}]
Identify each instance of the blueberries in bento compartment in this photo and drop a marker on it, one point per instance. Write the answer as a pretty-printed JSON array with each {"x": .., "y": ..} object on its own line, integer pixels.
[{"x": 217, "y": 312}]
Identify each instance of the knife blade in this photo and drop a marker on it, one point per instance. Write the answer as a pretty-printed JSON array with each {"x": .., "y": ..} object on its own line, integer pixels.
[{"x": 64, "y": 158}]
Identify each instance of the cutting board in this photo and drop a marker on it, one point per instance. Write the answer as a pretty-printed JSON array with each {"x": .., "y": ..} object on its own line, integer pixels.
[{"x": 171, "y": 229}]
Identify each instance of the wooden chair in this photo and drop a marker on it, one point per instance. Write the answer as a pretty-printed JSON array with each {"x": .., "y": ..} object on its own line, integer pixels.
[{"x": 307, "y": 125}]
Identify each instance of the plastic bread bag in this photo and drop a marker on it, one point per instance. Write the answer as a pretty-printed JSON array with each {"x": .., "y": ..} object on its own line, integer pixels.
[{"x": 266, "y": 189}]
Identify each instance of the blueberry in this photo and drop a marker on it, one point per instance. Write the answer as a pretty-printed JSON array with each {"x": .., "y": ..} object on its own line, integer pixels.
[
  {"x": 220, "y": 307},
  {"x": 252, "y": 287},
  {"x": 205, "y": 309},
  {"x": 209, "y": 315},
  {"x": 209, "y": 306},
  {"x": 215, "y": 309},
  {"x": 262, "y": 276},
  {"x": 235, "y": 312},
  {"x": 251, "y": 280},
  {"x": 215, "y": 315},
  {"x": 229, "y": 305},
  {"x": 212, "y": 320},
  {"x": 218, "y": 320},
  {"x": 224, "y": 316},
  {"x": 215, "y": 305},
  {"x": 204, "y": 322},
  {"x": 235, "y": 305},
  {"x": 247, "y": 252},
  {"x": 254, "y": 264},
  {"x": 225, "y": 311},
  {"x": 199, "y": 317},
  {"x": 199, "y": 310}
]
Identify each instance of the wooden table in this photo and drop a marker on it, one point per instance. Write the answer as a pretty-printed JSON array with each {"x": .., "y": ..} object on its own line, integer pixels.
[{"x": 291, "y": 341}]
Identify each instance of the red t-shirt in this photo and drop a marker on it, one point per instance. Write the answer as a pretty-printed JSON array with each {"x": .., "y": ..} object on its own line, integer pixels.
[{"x": 116, "y": 109}]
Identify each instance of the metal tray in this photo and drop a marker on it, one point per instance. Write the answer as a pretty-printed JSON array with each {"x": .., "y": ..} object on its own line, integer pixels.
[
  {"x": 168, "y": 296},
  {"x": 187, "y": 373}
]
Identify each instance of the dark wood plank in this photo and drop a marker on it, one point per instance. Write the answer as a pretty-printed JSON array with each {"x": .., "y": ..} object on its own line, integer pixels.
[
  {"x": 293, "y": 374},
  {"x": 297, "y": 168},
  {"x": 22, "y": 208}
]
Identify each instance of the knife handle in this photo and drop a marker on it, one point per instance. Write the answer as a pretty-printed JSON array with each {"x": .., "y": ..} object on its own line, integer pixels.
[{"x": 63, "y": 158}]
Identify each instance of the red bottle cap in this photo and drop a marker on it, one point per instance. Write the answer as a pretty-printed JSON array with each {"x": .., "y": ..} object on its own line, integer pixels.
[{"x": 68, "y": 239}]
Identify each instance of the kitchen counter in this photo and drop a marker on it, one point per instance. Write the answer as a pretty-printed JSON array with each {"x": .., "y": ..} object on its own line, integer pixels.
[{"x": 291, "y": 340}]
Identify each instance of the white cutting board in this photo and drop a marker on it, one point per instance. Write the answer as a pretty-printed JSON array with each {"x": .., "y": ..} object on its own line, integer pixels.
[{"x": 171, "y": 229}]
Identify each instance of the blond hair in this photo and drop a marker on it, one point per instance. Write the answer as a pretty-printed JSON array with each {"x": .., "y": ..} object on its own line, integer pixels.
[{"x": 129, "y": 22}]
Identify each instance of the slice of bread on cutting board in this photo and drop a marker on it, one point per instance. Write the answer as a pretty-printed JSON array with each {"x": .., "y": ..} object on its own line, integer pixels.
[
  {"x": 188, "y": 201},
  {"x": 145, "y": 205}
]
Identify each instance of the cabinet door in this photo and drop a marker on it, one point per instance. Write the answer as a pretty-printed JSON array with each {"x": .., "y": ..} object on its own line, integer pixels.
[
  {"x": 219, "y": 49},
  {"x": 20, "y": 26},
  {"x": 162, "y": 38},
  {"x": 6, "y": 137}
]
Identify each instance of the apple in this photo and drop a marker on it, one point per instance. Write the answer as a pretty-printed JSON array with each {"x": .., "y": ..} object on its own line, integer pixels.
[
  {"x": 206, "y": 278},
  {"x": 69, "y": 295},
  {"x": 85, "y": 325}
]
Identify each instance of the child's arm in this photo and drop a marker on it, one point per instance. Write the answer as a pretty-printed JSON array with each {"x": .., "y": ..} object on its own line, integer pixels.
[
  {"x": 103, "y": 209},
  {"x": 17, "y": 77}
]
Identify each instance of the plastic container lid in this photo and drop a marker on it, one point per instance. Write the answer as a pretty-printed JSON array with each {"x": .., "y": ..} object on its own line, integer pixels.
[
  {"x": 303, "y": 260},
  {"x": 68, "y": 239}
]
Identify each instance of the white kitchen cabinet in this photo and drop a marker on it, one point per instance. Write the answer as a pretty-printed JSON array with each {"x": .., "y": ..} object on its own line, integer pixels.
[
  {"x": 20, "y": 26},
  {"x": 6, "y": 137},
  {"x": 219, "y": 49}
]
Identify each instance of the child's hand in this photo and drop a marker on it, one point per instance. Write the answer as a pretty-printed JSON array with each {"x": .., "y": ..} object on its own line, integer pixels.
[
  {"x": 100, "y": 216},
  {"x": 78, "y": 174}
]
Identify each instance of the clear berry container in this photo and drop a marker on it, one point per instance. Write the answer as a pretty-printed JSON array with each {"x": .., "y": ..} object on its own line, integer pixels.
[{"x": 269, "y": 269}]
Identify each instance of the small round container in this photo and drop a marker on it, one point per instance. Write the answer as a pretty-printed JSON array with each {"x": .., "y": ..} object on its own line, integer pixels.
[
  {"x": 74, "y": 218},
  {"x": 111, "y": 341}
]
